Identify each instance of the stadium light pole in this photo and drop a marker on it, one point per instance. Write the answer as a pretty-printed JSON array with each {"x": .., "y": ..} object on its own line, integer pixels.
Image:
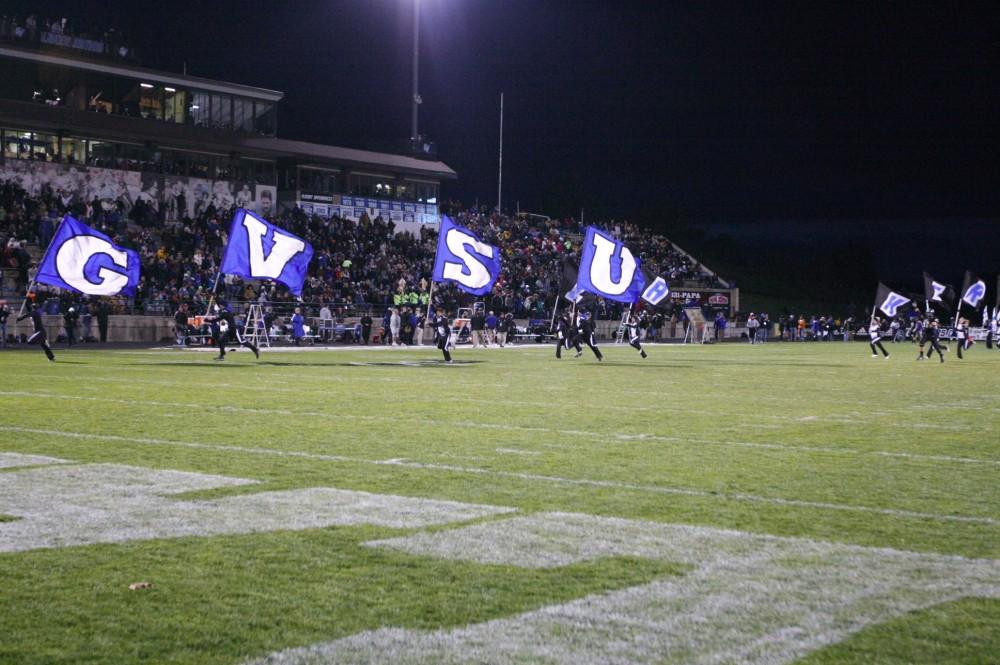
[{"x": 416, "y": 69}]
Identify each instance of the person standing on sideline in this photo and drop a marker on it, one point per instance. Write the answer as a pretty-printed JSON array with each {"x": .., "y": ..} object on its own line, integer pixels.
[
  {"x": 325, "y": 322},
  {"x": 38, "y": 336},
  {"x": 4, "y": 313},
  {"x": 632, "y": 330},
  {"x": 963, "y": 341},
  {"x": 505, "y": 329},
  {"x": 181, "y": 324},
  {"x": 224, "y": 331},
  {"x": 477, "y": 325},
  {"x": 418, "y": 328},
  {"x": 752, "y": 325},
  {"x": 848, "y": 328},
  {"x": 394, "y": 324},
  {"x": 442, "y": 331},
  {"x": 103, "y": 310},
  {"x": 491, "y": 329},
  {"x": 762, "y": 332},
  {"x": 69, "y": 323},
  {"x": 991, "y": 332},
  {"x": 875, "y": 338},
  {"x": 298, "y": 326},
  {"x": 720, "y": 326},
  {"x": 366, "y": 327}
]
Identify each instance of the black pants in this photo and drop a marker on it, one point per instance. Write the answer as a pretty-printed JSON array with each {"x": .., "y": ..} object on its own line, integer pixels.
[
  {"x": 234, "y": 336},
  {"x": 102, "y": 327},
  {"x": 963, "y": 345},
  {"x": 366, "y": 332},
  {"x": 589, "y": 340},
  {"x": 567, "y": 343},
  {"x": 878, "y": 343},
  {"x": 40, "y": 339},
  {"x": 442, "y": 343},
  {"x": 935, "y": 346},
  {"x": 989, "y": 340},
  {"x": 70, "y": 335}
]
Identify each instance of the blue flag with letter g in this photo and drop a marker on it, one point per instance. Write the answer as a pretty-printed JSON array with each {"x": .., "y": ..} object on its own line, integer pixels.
[
  {"x": 257, "y": 249},
  {"x": 85, "y": 260},
  {"x": 472, "y": 265},
  {"x": 608, "y": 269}
]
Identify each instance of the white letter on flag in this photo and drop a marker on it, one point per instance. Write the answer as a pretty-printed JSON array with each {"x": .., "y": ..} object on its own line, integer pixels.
[
  {"x": 479, "y": 274},
  {"x": 72, "y": 258},
  {"x": 600, "y": 267},
  {"x": 285, "y": 247}
]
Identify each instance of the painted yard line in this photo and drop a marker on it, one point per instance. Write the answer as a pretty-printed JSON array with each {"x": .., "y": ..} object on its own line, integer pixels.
[
  {"x": 583, "y": 482},
  {"x": 506, "y": 427}
]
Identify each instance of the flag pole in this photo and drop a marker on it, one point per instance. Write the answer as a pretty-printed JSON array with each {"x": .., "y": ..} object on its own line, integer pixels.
[
  {"x": 31, "y": 284},
  {"x": 430, "y": 301},
  {"x": 215, "y": 286},
  {"x": 34, "y": 280}
]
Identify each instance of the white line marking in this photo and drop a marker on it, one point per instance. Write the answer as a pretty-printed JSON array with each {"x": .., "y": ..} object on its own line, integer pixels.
[
  {"x": 584, "y": 482},
  {"x": 111, "y": 503},
  {"x": 505, "y": 427},
  {"x": 755, "y": 599},
  {"x": 13, "y": 460}
]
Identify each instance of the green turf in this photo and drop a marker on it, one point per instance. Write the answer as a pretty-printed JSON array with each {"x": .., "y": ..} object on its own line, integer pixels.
[{"x": 748, "y": 429}]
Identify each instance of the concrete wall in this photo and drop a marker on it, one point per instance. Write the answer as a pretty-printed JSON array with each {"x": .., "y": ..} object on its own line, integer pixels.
[{"x": 123, "y": 328}]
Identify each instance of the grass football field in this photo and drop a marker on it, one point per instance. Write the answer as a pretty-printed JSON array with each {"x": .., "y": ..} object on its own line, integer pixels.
[{"x": 777, "y": 503}]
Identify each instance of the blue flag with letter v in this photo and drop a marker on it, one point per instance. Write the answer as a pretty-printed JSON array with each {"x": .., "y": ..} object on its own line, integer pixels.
[
  {"x": 608, "y": 269},
  {"x": 85, "y": 260},
  {"x": 257, "y": 249},
  {"x": 463, "y": 259}
]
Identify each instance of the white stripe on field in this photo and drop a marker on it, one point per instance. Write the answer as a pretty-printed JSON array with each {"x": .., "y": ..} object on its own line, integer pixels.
[
  {"x": 748, "y": 598},
  {"x": 583, "y": 482},
  {"x": 546, "y": 430}
]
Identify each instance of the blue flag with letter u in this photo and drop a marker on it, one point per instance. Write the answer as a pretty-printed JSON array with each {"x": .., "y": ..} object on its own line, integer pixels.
[
  {"x": 257, "y": 249},
  {"x": 85, "y": 260},
  {"x": 608, "y": 269},
  {"x": 462, "y": 258}
]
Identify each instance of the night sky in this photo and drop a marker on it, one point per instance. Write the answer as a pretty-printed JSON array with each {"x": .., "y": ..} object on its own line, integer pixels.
[{"x": 703, "y": 111}]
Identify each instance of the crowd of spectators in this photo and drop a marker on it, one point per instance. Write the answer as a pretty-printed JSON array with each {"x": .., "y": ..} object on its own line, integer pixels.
[
  {"x": 357, "y": 265},
  {"x": 61, "y": 31}
]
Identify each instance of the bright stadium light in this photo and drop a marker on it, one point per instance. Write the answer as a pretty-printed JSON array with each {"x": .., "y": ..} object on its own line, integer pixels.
[
  {"x": 145, "y": 85},
  {"x": 170, "y": 89}
]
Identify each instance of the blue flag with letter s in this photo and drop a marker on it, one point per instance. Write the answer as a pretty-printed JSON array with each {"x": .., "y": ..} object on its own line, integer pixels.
[
  {"x": 608, "y": 269},
  {"x": 472, "y": 265},
  {"x": 85, "y": 260},
  {"x": 257, "y": 249}
]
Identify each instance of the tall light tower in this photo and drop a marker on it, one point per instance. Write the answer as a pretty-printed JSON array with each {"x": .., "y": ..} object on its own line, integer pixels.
[{"x": 416, "y": 71}]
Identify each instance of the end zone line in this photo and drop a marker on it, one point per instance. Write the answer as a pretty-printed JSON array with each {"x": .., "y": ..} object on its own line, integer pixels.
[{"x": 586, "y": 482}]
